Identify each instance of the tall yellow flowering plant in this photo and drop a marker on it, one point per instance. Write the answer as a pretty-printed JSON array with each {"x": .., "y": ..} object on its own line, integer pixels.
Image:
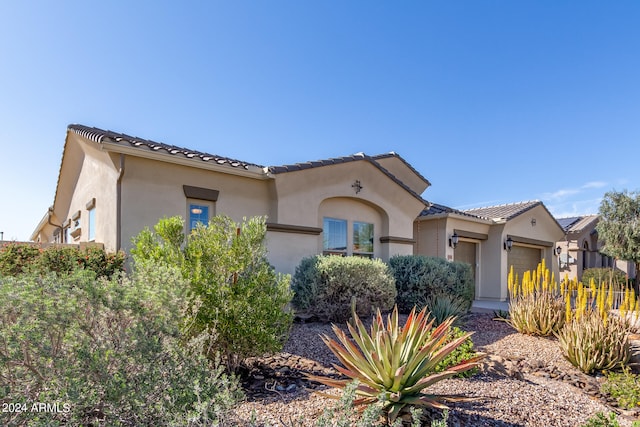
[{"x": 591, "y": 322}]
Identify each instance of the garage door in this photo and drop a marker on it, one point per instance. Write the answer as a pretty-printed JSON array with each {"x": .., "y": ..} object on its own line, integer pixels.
[
  {"x": 523, "y": 258},
  {"x": 466, "y": 252}
]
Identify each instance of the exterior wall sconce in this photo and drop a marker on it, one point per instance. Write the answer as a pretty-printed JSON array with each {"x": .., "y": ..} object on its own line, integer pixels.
[
  {"x": 357, "y": 186},
  {"x": 508, "y": 244},
  {"x": 558, "y": 251},
  {"x": 453, "y": 241},
  {"x": 533, "y": 222}
]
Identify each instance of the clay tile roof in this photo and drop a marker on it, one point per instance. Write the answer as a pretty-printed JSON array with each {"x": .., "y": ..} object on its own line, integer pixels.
[
  {"x": 100, "y": 136},
  {"x": 437, "y": 209},
  {"x": 504, "y": 212},
  {"x": 346, "y": 159},
  {"x": 313, "y": 164},
  {"x": 396, "y": 155}
]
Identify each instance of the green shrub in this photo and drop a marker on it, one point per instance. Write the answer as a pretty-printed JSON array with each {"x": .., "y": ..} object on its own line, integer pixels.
[
  {"x": 325, "y": 285},
  {"x": 606, "y": 275},
  {"x": 17, "y": 258},
  {"x": 419, "y": 278},
  {"x": 624, "y": 387},
  {"x": 464, "y": 351},
  {"x": 234, "y": 291},
  {"x": 601, "y": 420},
  {"x": 107, "y": 352}
]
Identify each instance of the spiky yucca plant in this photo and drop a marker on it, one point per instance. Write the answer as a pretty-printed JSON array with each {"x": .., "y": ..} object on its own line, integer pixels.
[
  {"x": 443, "y": 306},
  {"x": 592, "y": 344},
  {"x": 536, "y": 306},
  {"x": 396, "y": 364}
]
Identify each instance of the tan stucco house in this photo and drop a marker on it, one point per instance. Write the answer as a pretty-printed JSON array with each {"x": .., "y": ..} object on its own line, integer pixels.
[
  {"x": 491, "y": 239},
  {"x": 111, "y": 186},
  {"x": 580, "y": 248}
]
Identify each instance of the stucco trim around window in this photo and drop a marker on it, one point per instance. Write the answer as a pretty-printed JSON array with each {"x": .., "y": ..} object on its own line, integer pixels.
[
  {"x": 200, "y": 193},
  {"x": 289, "y": 228},
  {"x": 396, "y": 239}
]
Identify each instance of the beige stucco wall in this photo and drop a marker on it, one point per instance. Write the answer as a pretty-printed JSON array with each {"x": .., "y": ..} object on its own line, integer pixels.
[
  {"x": 430, "y": 236},
  {"x": 300, "y": 193},
  {"x": 86, "y": 173},
  {"x": 152, "y": 190}
]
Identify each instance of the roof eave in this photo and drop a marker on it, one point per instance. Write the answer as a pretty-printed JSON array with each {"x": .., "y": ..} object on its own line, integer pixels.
[
  {"x": 455, "y": 215},
  {"x": 254, "y": 172},
  {"x": 43, "y": 222}
]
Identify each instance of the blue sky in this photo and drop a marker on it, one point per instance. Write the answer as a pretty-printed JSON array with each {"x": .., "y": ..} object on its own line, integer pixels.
[{"x": 493, "y": 101}]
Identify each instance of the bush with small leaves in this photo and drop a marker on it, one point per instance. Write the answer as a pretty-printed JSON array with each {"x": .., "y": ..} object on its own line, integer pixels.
[
  {"x": 108, "y": 351},
  {"x": 234, "y": 290},
  {"x": 604, "y": 275},
  {"x": 624, "y": 387},
  {"x": 601, "y": 420},
  {"x": 325, "y": 286},
  {"x": 15, "y": 258},
  {"x": 419, "y": 278}
]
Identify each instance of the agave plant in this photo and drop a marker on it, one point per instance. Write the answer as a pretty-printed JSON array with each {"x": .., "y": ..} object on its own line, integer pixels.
[{"x": 396, "y": 364}]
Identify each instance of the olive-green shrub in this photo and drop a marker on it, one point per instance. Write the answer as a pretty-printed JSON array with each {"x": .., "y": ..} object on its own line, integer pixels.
[
  {"x": 603, "y": 275},
  {"x": 235, "y": 292},
  {"x": 105, "y": 352},
  {"x": 325, "y": 285},
  {"x": 17, "y": 258},
  {"x": 420, "y": 278}
]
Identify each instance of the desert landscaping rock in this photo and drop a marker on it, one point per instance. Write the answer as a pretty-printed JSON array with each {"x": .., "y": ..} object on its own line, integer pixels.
[{"x": 524, "y": 381}]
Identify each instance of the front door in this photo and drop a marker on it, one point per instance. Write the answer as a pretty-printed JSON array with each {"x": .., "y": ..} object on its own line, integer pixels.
[{"x": 466, "y": 252}]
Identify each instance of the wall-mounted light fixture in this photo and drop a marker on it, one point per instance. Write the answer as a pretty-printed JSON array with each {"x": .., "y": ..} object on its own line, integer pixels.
[
  {"x": 533, "y": 222},
  {"x": 453, "y": 240},
  {"x": 558, "y": 251},
  {"x": 508, "y": 244}
]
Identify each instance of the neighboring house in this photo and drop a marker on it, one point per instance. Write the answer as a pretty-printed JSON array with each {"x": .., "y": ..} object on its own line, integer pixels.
[
  {"x": 491, "y": 239},
  {"x": 580, "y": 248},
  {"x": 111, "y": 186}
]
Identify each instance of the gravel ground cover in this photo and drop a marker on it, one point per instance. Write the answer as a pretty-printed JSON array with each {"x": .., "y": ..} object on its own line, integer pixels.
[{"x": 525, "y": 382}]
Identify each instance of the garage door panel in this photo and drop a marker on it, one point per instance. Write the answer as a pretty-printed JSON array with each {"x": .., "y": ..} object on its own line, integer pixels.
[{"x": 524, "y": 258}]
